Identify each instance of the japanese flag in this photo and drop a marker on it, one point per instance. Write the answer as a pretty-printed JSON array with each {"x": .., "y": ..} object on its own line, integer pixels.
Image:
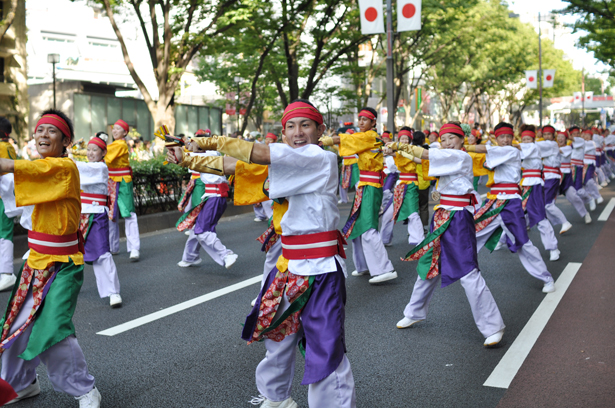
[
  {"x": 589, "y": 96},
  {"x": 548, "y": 76},
  {"x": 577, "y": 96},
  {"x": 408, "y": 15},
  {"x": 372, "y": 17},
  {"x": 531, "y": 78}
]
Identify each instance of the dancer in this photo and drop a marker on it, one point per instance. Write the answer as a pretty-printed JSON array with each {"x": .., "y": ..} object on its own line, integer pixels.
[
  {"x": 121, "y": 194},
  {"x": 94, "y": 222},
  {"x": 449, "y": 254},
  {"x": 502, "y": 213},
  {"x": 589, "y": 170},
  {"x": 391, "y": 175},
  {"x": 550, "y": 153},
  {"x": 368, "y": 252},
  {"x": 208, "y": 202},
  {"x": 37, "y": 325},
  {"x": 532, "y": 190},
  {"x": 7, "y": 278},
  {"x": 566, "y": 186},
  {"x": 304, "y": 296}
]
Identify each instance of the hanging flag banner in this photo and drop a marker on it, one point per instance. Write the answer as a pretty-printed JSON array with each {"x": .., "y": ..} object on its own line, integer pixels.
[
  {"x": 548, "y": 77},
  {"x": 577, "y": 96},
  {"x": 589, "y": 96},
  {"x": 372, "y": 17},
  {"x": 408, "y": 15},
  {"x": 531, "y": 78}
]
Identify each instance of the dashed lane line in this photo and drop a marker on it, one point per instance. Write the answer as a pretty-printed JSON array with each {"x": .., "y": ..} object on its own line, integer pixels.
[
  {"x": 507, "y": 368},
  {"x": 607, "y": 210},
  {"x": 124, "y": 327}
]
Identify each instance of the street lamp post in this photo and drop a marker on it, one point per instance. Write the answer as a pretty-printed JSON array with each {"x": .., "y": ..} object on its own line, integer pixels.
[
  {"x": 390, "y": 79},
  {"x": 238, "y": 81},
  {"x": 53, "y": 59}
]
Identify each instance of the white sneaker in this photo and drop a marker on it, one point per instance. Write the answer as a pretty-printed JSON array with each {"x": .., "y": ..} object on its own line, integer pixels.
[
  {"x": 384, "y": 277},
  {"x": 388, "y": 245},
  {"x": 554, "y": 255},
  {"x": 494, "y": 339},
  {"x": 405, "y": 323},
  {"x": 187, "y": 232},
  {"x": 7, "y": 280},
  {"x": 257, "y": 220},
  {"x": 600, "y": 187},
  {"x": 30, "y": 391},
  {"x": 599, "y": 200},
  {"x": 134, "y": 255},
  {"x": 115, "y": 300},
  {"x": 253, "y": 302},
  {"x": 588, "y": 218},
  {"x": 357, "y": 273},
  {"x": 612, "y": 176},
  {"x": 114, "y": 253},
  {"x": 185, "y": 264},
  {"x": 592, "y": 204},
  {"x": 549, "y": 287},
  {"x": 565, "y": 227},
  {"x": 90, "y": 400},
  {"x": 287, "y": 403},
  {"x": 229, "y": 260},
  {"x": 604, "y": 183}
]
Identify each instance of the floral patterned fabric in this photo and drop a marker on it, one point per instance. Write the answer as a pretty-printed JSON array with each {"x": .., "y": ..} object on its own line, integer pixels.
[
  {"x": 188, "y": 220},
  {"x": 183, "y": 202},
  {"x": 42, "y": 280},
  {"x": 354, "y": 213},
  {"x": 268, "y": 238},
  {"x": 112, "y": 193},
  {"x": 398, "y": 198},
  {"x": 482, "y": 218},
  {"x": 346, "y": 176},
  {"x": 294, "y": 286},
  {"x": 525, "y": 196}
]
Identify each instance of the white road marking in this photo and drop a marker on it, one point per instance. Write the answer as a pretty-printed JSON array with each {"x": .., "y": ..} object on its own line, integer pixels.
[
  {"x": 124, "y": 327},
  {"x": 507, "y": 368},
  {"x": 607, "y": 210}
]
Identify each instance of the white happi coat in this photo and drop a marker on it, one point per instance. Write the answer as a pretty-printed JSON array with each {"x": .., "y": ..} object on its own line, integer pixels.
[{"x": 93, "y": 178}]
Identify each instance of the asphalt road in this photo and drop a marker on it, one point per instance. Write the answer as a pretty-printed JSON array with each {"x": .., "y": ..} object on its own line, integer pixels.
[{"x": 195, "y": 358}]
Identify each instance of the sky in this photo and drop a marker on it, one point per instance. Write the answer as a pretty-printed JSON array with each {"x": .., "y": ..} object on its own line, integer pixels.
[{"x": 580, "y": 57}]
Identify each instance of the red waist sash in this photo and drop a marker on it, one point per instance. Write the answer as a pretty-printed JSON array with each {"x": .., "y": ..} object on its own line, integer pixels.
[
  {"x": 458, "y": 200},
  {"x": 219, "y": 189},
  {"x": 589, "y": 157},
  {"x": 553, "y": 170},
  {"x": 576, "y": 162},
  {"x": 505, "y": 188},
  {"x": 120, "y": 171},
  {"x": 566, "y": 166},
  {"x": 54, "y": 244},
  {"x": 312, "y": 246},
  {"x": 371, "y": 176},
  {"x": 408, "y": 177},
  {"x": 88, "y": 198},
  {"x": 531, "y": 173}
]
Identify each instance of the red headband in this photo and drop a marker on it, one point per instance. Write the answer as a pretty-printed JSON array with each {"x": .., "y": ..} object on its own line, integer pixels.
[
  {"x": 404, "y": 132},
  {"x": 202, "y": 132},
  {"x": 271, "y": 136},
  {"x": 562, "y": 133},
  {"x": 367, "y": 114},
  {"x": 122, "y": 124},
  {"x": 475, "y": 133},
  {"x": 301, "y": 110},
  {"x": 504, "y": 131},
  {"x": 98, "y": 142},
  {"x": 529, "y": 133},
  {"x": 434, "y": 133},
  {"x": 350, "y": 131},
  {"x": 452, "y": 128},
  {"x": 548, "y": 129},
  {"x": 587, "y": 131},
  {"x": 55, "y": 120}
]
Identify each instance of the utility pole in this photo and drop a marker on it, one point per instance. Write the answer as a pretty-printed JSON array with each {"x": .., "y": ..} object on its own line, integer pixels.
[
  {"x": 390, "y": 80},
  {"x": 583, "y": 98}
]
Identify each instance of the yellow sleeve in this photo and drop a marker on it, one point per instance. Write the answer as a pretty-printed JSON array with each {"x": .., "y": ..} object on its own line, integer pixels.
[
  {"x": 115, "y": 152},
  {"x": 425, "y": 166},
  {"x": 44, "y": 181},
  {"x": 249, "y": 183},
  {"x": 358, "y": 142},
  {"x": 478, "y": 161},
  {"x": 278, "y": 212},
  {"x": 7, "y": 151}
]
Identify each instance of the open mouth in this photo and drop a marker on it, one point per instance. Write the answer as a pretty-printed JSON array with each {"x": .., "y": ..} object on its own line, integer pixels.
[
  {"x": 300, "y": 142},
  {"x": 44, "y": 144}
]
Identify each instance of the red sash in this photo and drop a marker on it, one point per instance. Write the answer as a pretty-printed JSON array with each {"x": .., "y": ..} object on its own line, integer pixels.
[
  {"x": 88, "y": 198},
  {"x": 531, "y": 173},
  {"x": 371, "y": 176},
  {"x": 54, "y": 244},
  {"x": 120, "y": 171},
  {"x": 458, "y": 200},
  {"x": 505, "y": 188},
  {"x": 408, "y": 177},
  {"x": 589, "y": 157},
  {"x": 576, "y": 162},
  {"x": 566, "y": 166},
  {"x": 312, "y": 246},
  {"x": 218, "y": 189},
  {"x": 552, "y": 170}
]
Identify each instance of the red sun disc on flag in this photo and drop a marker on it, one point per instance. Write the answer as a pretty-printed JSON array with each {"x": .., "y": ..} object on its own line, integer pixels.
[
  {"x": 408, "y": 10},
  {"x": 371, "y": 14},
  {"x": 549, "y": 77},
  {"x": 531, "y": 79}
]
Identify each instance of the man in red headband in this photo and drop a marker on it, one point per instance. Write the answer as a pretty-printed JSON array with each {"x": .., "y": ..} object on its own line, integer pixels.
[
  {"x": 433, "y": 140},
  {"x": 442, "y": 256},
  {"x": 532, "y": 187},
  {"x": 271, "y": 138},
  {"x": 502, "y": 214},
  {"x": 7, "y": 278},
  {"x": 589, "y": 170},
  {"x": 304, "y": 295},
  {"x": 121, "y": 194},
  {"x": 368, "y": 251},
  {"x": 37, "y": 325},
  {"x": 94, "y": 224},
  {"x": 566, "y": 185}
]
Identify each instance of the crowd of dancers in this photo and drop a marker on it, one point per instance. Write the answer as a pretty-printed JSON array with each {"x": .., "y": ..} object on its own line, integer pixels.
[{"x": 71, "y": 211}]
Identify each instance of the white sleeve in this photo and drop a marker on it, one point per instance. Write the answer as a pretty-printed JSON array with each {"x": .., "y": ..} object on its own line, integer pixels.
[
  {"x": 391, "y": 164},
  {"x": 589, "y": 146},
  {"x": 547, "y": 148},
  {"x": 92, "y": 173},
  {"x": 578, "y": 142},
  {"x": 7, "y": 192},
  {"x": 566, "y": 151},
  {"x": 497, "y": 155},
  {"x": 299, "y": 171},
  {"x": 446, "y": 162},
  {"x": 528, "y": 150}
]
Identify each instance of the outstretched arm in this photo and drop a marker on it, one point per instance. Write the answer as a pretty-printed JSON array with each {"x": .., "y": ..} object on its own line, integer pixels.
[{"x": 7, "y": 166}]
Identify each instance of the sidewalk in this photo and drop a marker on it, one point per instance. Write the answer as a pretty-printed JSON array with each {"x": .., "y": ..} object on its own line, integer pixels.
[{"x": 572, "y": 363}]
